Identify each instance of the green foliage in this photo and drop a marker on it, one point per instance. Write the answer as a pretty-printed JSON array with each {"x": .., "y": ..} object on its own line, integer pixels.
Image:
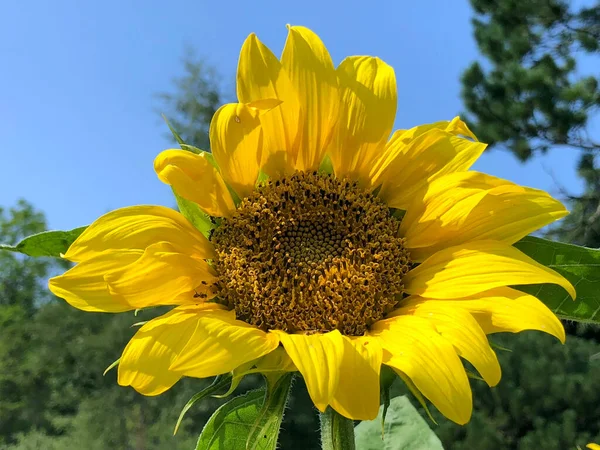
[
  {"x": 579, "y": 265},
  {"x": 46, "y": 243},
  {"x": 404, "y": 428}
]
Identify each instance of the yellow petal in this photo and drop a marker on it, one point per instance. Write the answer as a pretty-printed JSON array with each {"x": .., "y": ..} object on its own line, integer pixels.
[
  {"x": 407, "y": 167},
  {"x": 137, "y": 227},
  {"x": 219, "y": 344},
  {"x": 84, "y": 286},
  {"x": 195, "y": 178},
  {"x": 161, "y": 276},
  {"x": 145, "y": 362},
  {"x": 357, "y": 394},
  {"x": 504, "y": 310},
  {"x": 458, "y": 326},
  {"x": 455, "y": 127},
  {"x": 311, "y": 71},
  {"x": 261, "y": 75},
  {"x": 236, "y": 144},
  {"x": 413, "y": 346},
  {"x": 451, "y": 210},
  {"x": 318, "y": 357},
  {"x": 476, "y": 267},
  {"x": 593, "y": 446},
  {"x": 276, "y": 361},
  {"x": 367, "y": 113}
]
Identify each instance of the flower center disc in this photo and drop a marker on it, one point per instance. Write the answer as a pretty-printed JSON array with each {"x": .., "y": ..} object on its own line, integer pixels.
[{"x": 310, "y": 253}]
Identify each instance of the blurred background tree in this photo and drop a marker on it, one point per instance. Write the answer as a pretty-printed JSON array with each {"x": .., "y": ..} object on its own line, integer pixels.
[
  {"x": 198, "y": 94},
  {"x": 529, "y": 93},
  {"x": 527, "y": 96}
]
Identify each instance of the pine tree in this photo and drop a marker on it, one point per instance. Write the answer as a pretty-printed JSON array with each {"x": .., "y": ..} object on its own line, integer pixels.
[{"x": 529, "y": 94}]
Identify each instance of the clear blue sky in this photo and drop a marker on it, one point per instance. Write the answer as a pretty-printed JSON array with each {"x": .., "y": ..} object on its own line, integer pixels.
[{"x": 78, "y": 126}]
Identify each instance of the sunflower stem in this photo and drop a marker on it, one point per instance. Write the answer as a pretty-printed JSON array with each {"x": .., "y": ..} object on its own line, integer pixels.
[{"x": 337, "y": 432}]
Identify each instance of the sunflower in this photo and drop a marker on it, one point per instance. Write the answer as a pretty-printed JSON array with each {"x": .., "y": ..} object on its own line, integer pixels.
[{"x": 338, "y": 246}]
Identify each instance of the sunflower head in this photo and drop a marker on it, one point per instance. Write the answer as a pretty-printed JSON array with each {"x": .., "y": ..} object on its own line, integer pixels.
[
  {"x": 311, "y": 253},
  {"x": 397, "y": 254}
]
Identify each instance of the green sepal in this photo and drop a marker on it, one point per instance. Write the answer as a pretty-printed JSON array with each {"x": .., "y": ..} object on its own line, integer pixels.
[
  {"x": 237, "y": 375},
  {"x": 397, "y": 213},
  {"x": 577, "y": 264},
  {"x": 236, "y": 198},
  {"x": 173, "y": 131},
  {"x": 386, "y": 379},
  {"x": 261, "y": 179},
  {"x": 499, "y": 347},
  {"x": 219, "y": 383},
  {"x": 326, "y": 165},
  {"x": 198, "y": 151},
  {"x": 46, "y": 243},
  {"x": 417, "y": 394},
  {"x": 192, "y": 212},
  {"x": 112, "y": 366},
  {"x": 473, "y": 375}
]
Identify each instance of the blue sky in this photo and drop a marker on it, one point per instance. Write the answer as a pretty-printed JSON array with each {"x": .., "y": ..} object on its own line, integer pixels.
[{"x": 78, "y": 122}]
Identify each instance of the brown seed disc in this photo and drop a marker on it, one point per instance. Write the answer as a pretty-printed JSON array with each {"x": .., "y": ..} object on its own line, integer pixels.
[{"x": 310, "y": 253}]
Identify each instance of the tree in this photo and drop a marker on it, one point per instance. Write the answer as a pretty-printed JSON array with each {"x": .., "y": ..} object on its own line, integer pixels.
[
  {"x": 529, "y": 95},
  {"x": 52, "y": 391},
  {"x": 198, "y": 94},
  {"x": 549, "y": 397}
]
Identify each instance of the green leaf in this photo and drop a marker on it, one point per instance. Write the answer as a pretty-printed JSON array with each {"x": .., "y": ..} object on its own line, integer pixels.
[
  {"x": 579, "y": 265},
  {"x": 192, "y": 212},
  {"x": 252, "y": 414},
  {"x": 47, "y": 243},
  {"x": 219, "y": 383},
  {"x": 404, "y": 429}
]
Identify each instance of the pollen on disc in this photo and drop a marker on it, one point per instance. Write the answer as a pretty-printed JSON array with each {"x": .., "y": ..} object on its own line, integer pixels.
[{"x": 310, "y": 253}]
